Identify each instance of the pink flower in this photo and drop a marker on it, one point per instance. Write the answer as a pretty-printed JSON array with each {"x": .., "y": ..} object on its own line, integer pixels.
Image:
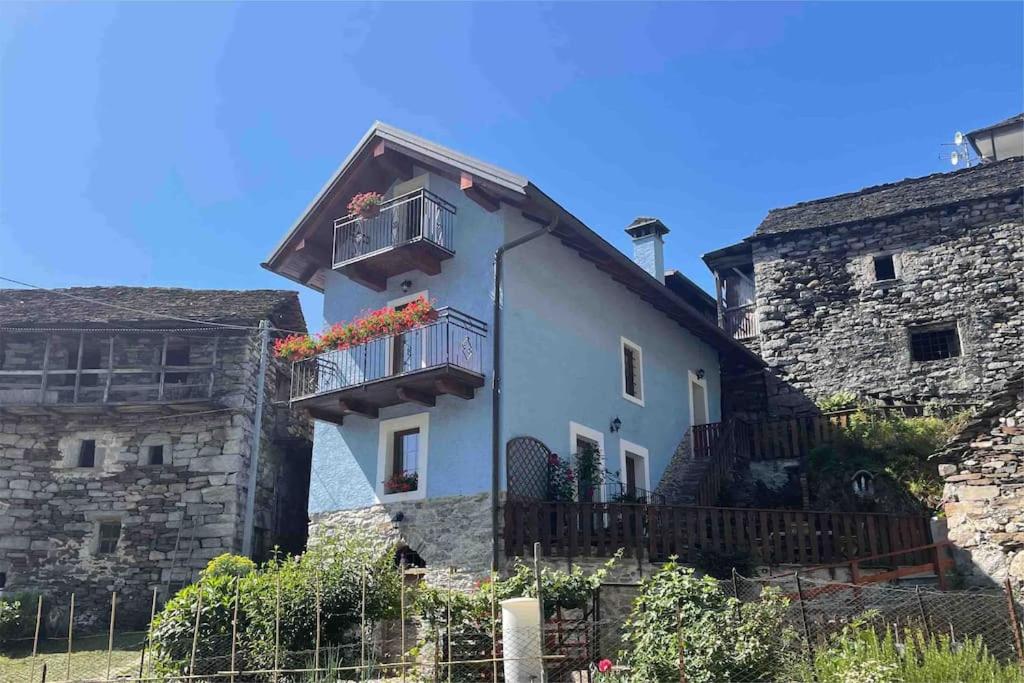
[{"x": 605, "y": 665}]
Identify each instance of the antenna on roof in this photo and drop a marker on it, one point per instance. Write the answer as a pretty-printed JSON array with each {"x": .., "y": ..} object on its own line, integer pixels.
[{"x": 961, "y": 154}]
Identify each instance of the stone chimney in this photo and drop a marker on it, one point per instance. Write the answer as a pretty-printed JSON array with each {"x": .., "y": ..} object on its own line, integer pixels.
[{"x": 648, "y": 246}]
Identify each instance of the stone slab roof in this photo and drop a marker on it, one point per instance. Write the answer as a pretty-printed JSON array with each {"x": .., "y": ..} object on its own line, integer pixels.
[
  {"x": 1000, "y": 404},
  {"x": 98, "y": 306},
  {"x": 905, "y": 196}
]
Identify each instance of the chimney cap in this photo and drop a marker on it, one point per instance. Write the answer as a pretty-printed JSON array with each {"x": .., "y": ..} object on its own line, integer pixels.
[{"x": 646, "y": 225}]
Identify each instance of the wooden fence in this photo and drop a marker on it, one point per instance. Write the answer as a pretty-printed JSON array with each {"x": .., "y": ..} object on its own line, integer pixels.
[{"x": 769, "y": 537}]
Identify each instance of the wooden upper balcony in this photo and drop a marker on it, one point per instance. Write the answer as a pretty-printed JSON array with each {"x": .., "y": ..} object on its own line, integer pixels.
[
  {"x": 444, "y": 356},
  {"x": 412, "y": 232},
  {"x": 740, "y": 321},
  {"x": 96, "y": 370}
]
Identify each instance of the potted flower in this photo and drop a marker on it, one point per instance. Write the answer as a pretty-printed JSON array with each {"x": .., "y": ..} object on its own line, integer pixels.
[
  {"x": 296, "y": 347},
  {"x": 402, "y": 482},
  {"x": 365, "y": 204}
]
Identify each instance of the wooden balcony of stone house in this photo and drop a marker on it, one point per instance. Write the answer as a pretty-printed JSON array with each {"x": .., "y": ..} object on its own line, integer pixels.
[{"x": 103, "y": 370}]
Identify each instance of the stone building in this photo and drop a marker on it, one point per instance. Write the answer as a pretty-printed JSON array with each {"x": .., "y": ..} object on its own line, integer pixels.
[
  {"x": 903, "y": 293},
  {"x": 984, "y": 494},
  {"x": 126, "y": 440}
]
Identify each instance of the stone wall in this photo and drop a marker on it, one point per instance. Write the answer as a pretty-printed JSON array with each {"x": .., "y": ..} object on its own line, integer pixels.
[
  {"x": 984, "y": 492},
  {"x": 826, "y": 325},
  {"x": 174, "y": 516}
]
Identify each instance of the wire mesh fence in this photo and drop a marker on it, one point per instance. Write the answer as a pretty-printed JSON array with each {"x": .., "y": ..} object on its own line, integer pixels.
[{"x": 591, "y": 645}]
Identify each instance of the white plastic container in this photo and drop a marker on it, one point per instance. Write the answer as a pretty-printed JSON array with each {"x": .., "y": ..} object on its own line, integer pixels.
[{"x": 521, "y": 634}]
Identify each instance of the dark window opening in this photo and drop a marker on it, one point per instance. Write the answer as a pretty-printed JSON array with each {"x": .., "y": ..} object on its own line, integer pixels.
[
  {"x": 885, "y": 267},
  {"x": 87, "y": 453},
  {"x": 407, "y": 557},
  {"x": 631, "y": 368},
  {"x": 109, "y": 535},
  {"x": 3, "y": 580},
  {"x": 177, "y": 354},
  {"x": 630, "y": 475},
  {"x": 938, "y": 344},
  {"x": 155, "y": 455},
  {"x": 587, "y": 489},
  {"x": 91, "y": 360}
]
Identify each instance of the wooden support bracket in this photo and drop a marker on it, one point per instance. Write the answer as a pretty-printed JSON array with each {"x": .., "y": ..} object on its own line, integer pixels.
[
  {"x": 359, "y": 408},
  {"x": 413, "y": 396},
  {"x": 454, "y": 387},
  {"x": 473, "y": 190}
]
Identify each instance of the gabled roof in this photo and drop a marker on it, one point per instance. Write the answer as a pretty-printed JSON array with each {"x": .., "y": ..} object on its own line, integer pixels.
[
  {"x": 387, "y": 147},
  {"x": 893, "y": 199},
  {"x": 108, "y": 307},
  {"x": 1017, "y": 118}
]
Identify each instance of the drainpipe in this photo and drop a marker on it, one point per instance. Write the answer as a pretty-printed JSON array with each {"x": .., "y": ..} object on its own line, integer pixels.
[{"x": 496, "y": 382}]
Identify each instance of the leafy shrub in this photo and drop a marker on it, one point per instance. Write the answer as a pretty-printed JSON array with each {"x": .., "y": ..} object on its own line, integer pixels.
[
  {"x": 841, "y": 400},
  {"x": 10, "y": 619},
  {"x": 724, "y": 639},
  {"x": 336, "y": 566},
  {"x": 897, "y": 655}
]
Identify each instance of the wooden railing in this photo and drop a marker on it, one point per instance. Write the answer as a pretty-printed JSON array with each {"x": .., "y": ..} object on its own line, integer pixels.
[
  {"x": 932, "y": 558},
  {"x": 770, "y": 537},
  {"x": 741, "y": 321},
  {"x": 721, "y": 443}
]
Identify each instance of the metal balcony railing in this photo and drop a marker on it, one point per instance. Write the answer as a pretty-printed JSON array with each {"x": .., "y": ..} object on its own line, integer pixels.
[
  {"x": 453, "y": 339},
  {"x": 418, "y": 215}
]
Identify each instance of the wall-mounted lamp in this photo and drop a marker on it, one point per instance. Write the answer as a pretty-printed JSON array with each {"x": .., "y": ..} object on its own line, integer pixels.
[
  {"x": 406, "y": 286},
  {"x": 616, "y": 425},
  {"x": 700, "y": 373}
]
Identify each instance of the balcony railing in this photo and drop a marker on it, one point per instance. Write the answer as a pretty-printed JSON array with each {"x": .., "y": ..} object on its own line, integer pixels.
[
  {"x": 418, "y": 218},
  {"x": 741, "y": 321},
  {"x": 454, "y": 341}
]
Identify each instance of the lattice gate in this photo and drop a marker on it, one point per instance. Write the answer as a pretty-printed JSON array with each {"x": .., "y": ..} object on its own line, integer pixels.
[{"x": 526, "y": 468}]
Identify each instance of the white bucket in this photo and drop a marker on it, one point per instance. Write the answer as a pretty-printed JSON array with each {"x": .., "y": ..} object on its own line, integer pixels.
[{"x": 521, "y": 634}]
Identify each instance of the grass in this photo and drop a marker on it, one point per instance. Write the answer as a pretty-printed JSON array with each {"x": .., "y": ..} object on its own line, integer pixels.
[{"x": 88, "y": 659}]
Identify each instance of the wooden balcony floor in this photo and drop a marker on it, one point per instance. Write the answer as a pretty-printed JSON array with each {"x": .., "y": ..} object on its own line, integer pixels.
[
  {"x": 373, "y": 269},
  {"x": 421, "y": 387}
]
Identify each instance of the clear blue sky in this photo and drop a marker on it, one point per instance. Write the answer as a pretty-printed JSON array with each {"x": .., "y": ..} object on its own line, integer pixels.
[{"x": 173, "y": 144}]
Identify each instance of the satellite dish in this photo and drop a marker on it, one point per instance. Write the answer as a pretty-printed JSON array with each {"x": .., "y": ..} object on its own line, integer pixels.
[
  {"x": 954, "y": 158},
  {"x": 958, "y": 139}
]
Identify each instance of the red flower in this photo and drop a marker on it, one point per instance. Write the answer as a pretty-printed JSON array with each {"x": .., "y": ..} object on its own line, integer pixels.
[{"x": 605, "y": 665}]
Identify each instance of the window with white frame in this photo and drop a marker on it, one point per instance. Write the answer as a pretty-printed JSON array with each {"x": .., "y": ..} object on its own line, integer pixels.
[
  {"x": 587, "y": 448},
  {"x": 634, "y": 475},
  {"x": 632, "y": 372},
  {"x": 699, "y": 413},
  {"x": 402, "y": 457}
]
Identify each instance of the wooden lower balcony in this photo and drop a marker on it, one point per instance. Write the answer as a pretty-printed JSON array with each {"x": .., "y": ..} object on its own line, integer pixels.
[
  {"x": 444, "y": 357},
  {"x": 411, "y": 232}
]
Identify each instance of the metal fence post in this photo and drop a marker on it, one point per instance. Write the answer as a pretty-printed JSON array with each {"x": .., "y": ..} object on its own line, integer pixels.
[
  {"x": 71, "y": 626},
  {"x": 110, "y": 636},
  {"x": 195, "y": 636},
  {"x": 149, "y": 633},
  {"x": 494, "y": 625},
  {"x": 277, "y": 627},
  {"x": 401, "y": 613},
  {"x": 234, "y": 630},
  {"x": 1011, "y": 605},
  {"x": 449, "y": 627},
  {"x": 362, "y": 624},
  {"x": 540, "y": 606},
  {"x": 681, "y": 644},
  {"x": 924, "y": 614},
  {"x": 316, "y": 644},
  {"x": 807, "y": 625},
  {"x": 35, "y": 639}
]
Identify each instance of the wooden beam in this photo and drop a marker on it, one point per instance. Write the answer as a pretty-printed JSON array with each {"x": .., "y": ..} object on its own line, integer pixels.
[
  {"x": 413, "y": 396},
  {"x": 319, "y": 414},
  {"x": 477, "y": 194},
  {"x": 359, "y": 408},
  {"x": 452, "y": 386}
]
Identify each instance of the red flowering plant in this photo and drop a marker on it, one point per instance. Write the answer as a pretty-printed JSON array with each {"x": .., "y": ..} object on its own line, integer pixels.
[
  {"x": 365, "y": 204},
  {"x": 402, "y": 482},
  {"x": 382, "y": 322}
]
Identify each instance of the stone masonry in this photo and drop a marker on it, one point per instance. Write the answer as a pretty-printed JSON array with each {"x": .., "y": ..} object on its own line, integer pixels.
[
  {"x": 175, "y": 515},
  {"x": 984, "y": 492}
]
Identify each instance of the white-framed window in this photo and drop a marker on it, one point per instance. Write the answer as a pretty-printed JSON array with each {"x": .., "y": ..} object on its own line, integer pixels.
[
  {"x": 699, "y": 413},
  {"x": 635, "y": 472},
  {"x": 632, "y": 371},
  {"x": 582, "y": 437},
  {"x": 408, "y": 351},
  {"x": 402, "y": 458}
]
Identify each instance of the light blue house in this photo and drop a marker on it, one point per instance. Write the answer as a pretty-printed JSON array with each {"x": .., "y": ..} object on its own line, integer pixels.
[{"x": 593, "y": 348}]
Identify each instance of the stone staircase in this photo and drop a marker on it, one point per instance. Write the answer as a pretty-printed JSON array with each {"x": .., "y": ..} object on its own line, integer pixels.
[{"x": 692, "y": 469}]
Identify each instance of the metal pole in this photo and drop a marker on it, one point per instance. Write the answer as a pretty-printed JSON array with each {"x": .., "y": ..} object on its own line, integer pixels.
[
  {"x": 924, "y": 614},
  {"x": 316, "y": 645},
  {"x": 195, "y": 636},
  {"x": 35, "y": 638},
  {"x": 234, "y": 629},
  {"x": 149, "y": 632},
  {"x": 71, "y": 626},
  {"x": 257, "y": 433},
  {"x": 807, "y": 626},
  {"x": 1014, "y": 623},
  {"x": 494, "y": 624},
  {"x": 362, "y": 625},
  {"x": 110, "y": 636},
  {"x": 277, "y": 627},
  {"x": 449, "y": 618},
  {"x": 682, "y": 644},
  {"x": 540, "y": 606},
  {"x": 401, "y": 607}
]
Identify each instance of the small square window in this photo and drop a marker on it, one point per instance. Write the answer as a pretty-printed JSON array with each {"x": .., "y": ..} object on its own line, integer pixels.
[
  {"x": 109, "y": 534},
  {"x": 402, "y": 456},
  {"x": 885, "y": 267},
  {"x": 934, "y": 344},
  {"x": 87, "y": 453},
  {"x": 632, "y": 372},
  {"x": 155, "y": 455}
]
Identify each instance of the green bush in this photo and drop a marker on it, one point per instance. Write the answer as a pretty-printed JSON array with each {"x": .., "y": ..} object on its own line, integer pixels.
[
  {"x": 724, "y": 639},
  {"x": 10, "y": 619},
  {"x": 905, "y": 655},
  {"x": 229, "y": 565},
  {"x": 336, "y": 566},
  {"x": 841, "y": 400}
]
